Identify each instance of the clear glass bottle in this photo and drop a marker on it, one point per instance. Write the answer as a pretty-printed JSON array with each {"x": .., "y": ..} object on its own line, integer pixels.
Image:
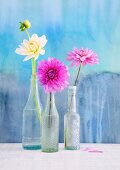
[
  {"x": 31, "y": 130},
  {"x": 72, "y": 122},
  {"x": 50, "y": 126}
]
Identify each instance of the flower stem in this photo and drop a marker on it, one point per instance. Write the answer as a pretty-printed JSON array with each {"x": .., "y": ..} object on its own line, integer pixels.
[
  {"x": 33, "y": 67},
  {"x": 78, "y": 75},
  {"x": 27, "y": 33},
  {"x": 50, "y": 119},
  {"x": 34, "y": 82},
  {"x": 33, "y": 60},
  {"x": 50, "y": 104},
  {"x": 35, "y": 99}
]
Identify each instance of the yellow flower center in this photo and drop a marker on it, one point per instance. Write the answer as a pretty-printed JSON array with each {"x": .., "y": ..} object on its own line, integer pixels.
[{"x": 34, "y": 46}]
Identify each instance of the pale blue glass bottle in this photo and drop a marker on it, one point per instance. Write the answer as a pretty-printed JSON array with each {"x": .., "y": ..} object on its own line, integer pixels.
[
  {"x": 31, "y": 129},
  {"x": 50, "y": 126},
  {"x": 72, "y": 122}
]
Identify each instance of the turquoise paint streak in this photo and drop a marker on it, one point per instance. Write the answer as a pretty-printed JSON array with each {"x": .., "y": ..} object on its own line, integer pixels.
[{"x": 82, "y": 23}]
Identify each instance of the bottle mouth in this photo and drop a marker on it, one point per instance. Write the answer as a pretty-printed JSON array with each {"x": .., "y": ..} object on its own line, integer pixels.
[
  {"x": 32, "y": 77},
  {"x": 72, "y": 90},
  {"x": 72, "y": 87}
]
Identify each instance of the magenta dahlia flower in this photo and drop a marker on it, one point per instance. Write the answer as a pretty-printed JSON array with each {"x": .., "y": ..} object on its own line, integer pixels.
[
  {"x": 82, "y": 56},
  {"x": 53, "y": 75}
]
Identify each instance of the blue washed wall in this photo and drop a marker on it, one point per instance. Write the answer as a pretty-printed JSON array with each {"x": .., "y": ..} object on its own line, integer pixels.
[
  {"x": 94, "y": 24},
  {"x": 98, "y": 104}
]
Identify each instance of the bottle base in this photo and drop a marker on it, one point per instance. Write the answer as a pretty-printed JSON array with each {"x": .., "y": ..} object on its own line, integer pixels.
[
  {"x": 32, "y": 147},
  {"x": 72, "y": 148},
  {"x": 49, "y": 150}
]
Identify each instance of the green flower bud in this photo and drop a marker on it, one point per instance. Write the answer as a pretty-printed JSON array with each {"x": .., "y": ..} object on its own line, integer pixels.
[
  {"x": 22, "y": 27},
  {"x": 27, "y": 24}
]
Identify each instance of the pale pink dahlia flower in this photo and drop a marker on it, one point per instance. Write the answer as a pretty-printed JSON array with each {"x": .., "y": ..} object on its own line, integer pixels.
[
  {"x": 53, "y": 75},
  {"x": 82, "y": 56},
  {"x": 33, "y": 47}
]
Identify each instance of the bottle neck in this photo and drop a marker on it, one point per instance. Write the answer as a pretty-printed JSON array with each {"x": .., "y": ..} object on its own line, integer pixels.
[
  {"x": 50, "y": 104},
  {"x": 33, "y": 84},
  {"x": 72, "y": 99},
  {"x": 33, "y": 88},
  {"x": 33, "y": 99}
]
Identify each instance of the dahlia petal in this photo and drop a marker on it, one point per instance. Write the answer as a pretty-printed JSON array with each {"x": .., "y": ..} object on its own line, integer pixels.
[
  {"x": 42, "y": 52},
  {"x": 42, "y": 40},
  {"x": 34, "y": 37},
  {"x": 84, "y": 63},
  {"x": 28, "y": 58},
  {"x": 25, "y": 44},
  {"x": 22, "y": 48},
  {"x": 73, "y": 63},
  {"x": 36, "y": 56},
  {"x": 20, "y": 51}
]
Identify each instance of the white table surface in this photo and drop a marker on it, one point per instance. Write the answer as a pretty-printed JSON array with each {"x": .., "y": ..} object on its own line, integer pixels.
[{"x": 13, "y": 157}]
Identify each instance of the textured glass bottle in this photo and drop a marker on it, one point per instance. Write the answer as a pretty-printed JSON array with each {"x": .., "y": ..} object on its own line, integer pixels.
[
  {"x": 31, "y": 131},
  {"x": 50, "y": 126},
  {"x": 72, "y": 122}
]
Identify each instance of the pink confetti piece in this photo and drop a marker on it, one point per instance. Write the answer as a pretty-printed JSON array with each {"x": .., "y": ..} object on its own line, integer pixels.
[
  {"x": 86, "y": 149},
  {"x": 96, "y": 151},
  {"x": 92, "y": 150}
]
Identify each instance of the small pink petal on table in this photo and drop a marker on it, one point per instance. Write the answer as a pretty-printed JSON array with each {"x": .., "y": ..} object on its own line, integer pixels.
[
  {"x": 96, "y": 151},
  {"x": 93, "y": 150},
  {"x": 86, "y": 149}
]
